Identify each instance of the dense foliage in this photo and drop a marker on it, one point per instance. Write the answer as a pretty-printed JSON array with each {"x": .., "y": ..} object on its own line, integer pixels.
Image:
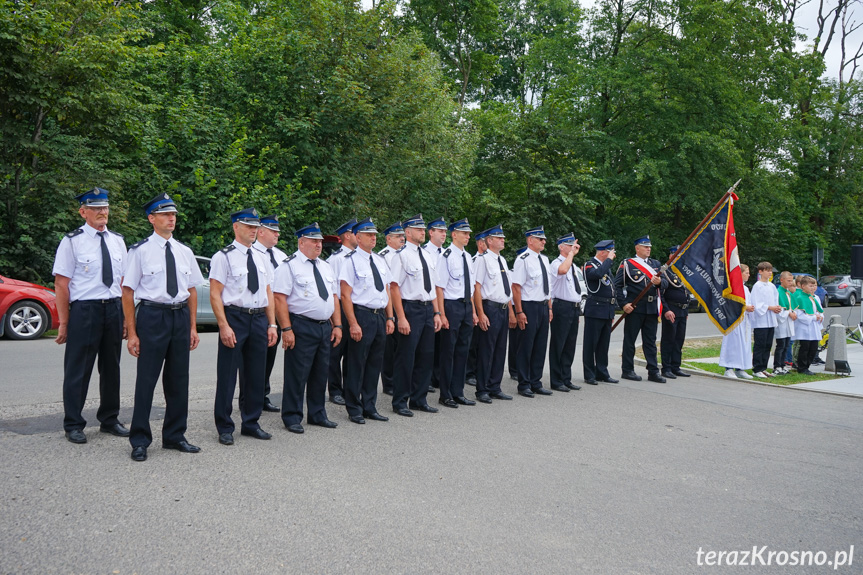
[{"x": 630, "y": 117}]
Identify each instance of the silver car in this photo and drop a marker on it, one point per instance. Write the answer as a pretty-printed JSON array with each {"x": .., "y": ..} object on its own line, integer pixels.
[
  {"x": 205, "y": 311},
  {"x": 843, "y": 289}
]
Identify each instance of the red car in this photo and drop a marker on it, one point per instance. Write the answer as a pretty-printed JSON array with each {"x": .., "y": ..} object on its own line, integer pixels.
[{"x": 26, "y": 310}]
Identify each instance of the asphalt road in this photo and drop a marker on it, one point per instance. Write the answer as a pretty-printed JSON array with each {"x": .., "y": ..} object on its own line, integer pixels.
[{"x": 628, "y": 478}]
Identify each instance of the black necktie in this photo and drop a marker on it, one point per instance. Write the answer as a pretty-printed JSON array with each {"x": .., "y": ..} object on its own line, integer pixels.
[
  {"x": 379, "y": 283},
  {"x": 272, "y": 258},
  {"x": 426, "y": 275},
  {"x": 171, "y": 271},
  {"x": 466, "y": 276},
  {"x": 107, "y": 269},
  {"x": 505, "y": 277},
  {"x": 544, "y": 275},
  {"x": 253, "y": 272},
  {"x": 319, "y": 280},
  {"x": 575, "y": 279}
]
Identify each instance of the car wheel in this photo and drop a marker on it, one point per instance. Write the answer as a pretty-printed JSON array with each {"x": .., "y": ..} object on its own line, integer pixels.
[
  {"x": 26, "y": 320},
  {"x": 852, "y": 300}
]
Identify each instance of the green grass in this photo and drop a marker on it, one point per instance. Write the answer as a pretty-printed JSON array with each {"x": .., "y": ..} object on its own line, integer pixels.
[
  {"x": 701, "y": 348},
  {"x": 789, "y": 379}
]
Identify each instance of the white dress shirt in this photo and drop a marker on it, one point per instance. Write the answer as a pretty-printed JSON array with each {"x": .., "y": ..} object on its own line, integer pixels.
[
  {"x": 563, "y": 286},
  {"x": 229, "y": 267},
  {"x": 435, "y": 253},
  {"x": 336, "y": 260},
  {"x": 357, "y": 273},
  {"x": 450, "y": 273},
  {"x": 528, "y": 274},
  {"x": 490, "y": 269},
  {"x": 278, "y": 255},
  {"x": 79, "y": 258},
  {"x": 407, "y": 271},
  {"x": 146, "y": 270},
  {"x": 295, "y": 277}
]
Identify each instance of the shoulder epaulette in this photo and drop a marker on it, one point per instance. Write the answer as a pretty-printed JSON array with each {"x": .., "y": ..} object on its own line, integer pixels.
[
  {"x": 116, "y": 233},
  {"x": 74, "y": 233},
  {"x": 141, "y": 243},
  {"x": 401, "y": 248},
  {"x": 289, "y": 258},
  {"x": 480, "y": 255},
  {"x": 228, "y": 248},
  {"x": 447, "y": 252},
  {"x": 384, "y": 252},
  {"x": 523, "y": 256},
  {"x": 349, "y": 254}
]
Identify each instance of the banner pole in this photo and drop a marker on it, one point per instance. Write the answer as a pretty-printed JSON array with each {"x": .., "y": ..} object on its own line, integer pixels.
[{"x": 682, "y": 246}]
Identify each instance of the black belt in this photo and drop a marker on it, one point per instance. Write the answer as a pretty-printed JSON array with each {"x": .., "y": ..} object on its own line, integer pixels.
[
  {"x": 459, "y": 300},
  {"x": 611, "y": 300},
  {"x": 149, "y": 303},
  {"x": 100, "y": 301},
  {"x": 370, "y": 310},
  {"x": 417, "y": 301},
  {"x": 317, "y": 321},
  {"x": 545, "y": 302},
  {"x": 677, "y": 305},
  {"x": 577, "y": 305},
  {"x": 248, "y": 310},
  {"x": 495, "y": 304}
]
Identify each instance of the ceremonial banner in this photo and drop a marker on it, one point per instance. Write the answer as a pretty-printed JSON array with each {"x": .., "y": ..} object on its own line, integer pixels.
[{"x": 709, "y": 266}]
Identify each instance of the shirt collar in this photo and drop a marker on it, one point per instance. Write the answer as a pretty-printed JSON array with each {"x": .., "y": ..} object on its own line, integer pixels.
[
  {"x": 302, "y": 257},
  {"x": 456, "y": 248},
  {"x": 91, "y": 231},
  {"x": 359, "y": 249},
  {"x": 239, "y": 246},
  {"x": 411, "y": 246},
  {"x": 159, "y": 240}
]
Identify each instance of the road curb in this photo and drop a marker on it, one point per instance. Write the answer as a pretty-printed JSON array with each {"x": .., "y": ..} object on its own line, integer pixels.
[{"x": 691, "y": 371}]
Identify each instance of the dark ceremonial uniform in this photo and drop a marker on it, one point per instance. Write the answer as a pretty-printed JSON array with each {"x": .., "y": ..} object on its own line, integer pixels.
[
  {"x": 598, "y": 317},
  {"x": 644, "y": 318},
  {"x": 675, "y": 298}
]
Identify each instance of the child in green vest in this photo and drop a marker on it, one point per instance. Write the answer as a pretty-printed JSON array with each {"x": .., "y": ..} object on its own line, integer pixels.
[{"x": 808, "y": 325}]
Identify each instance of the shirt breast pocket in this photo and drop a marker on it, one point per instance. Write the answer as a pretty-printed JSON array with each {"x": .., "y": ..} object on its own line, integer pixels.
[
  {"x": 413, "y": 269},
  {"x": 151, "y": 267},
  {"x": 533, "y": 274},
  {"x": 456, "y": 270},
  {"x": 303, "y": 282},
  {"x": 239, "y": 274},
  {"x": 86, "y": 264}
]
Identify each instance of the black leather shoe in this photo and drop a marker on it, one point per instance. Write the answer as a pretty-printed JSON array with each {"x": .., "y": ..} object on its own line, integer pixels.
[
  {"x": 117, "y": 429},
  {"x": 630, "y": 375},
  {"x": 226, "y": 438},
  {"x": 562, "y": 388},
  {"x": 591, "y": 382},
  {"x": 471, "y": 381},
  {"x": 667, "y": 373},
  {"x": 425, "y": 407},
  {"x": 527, "y": 393},
  {"x": 295, "y": 428},
  {"x": 462, "y": 400},
  {"x": 139, "y": 453},
  {"x": 404, "y": 412},
  {"x": 257, "y": 433},
  {"x": 357, "y": 419},
  {"x": 337, "y": 399},
  {"x": 573, "y": 387},
  {"x": 76, "y": 436},
  {"x": 612, "y": 380},
  {"x": 447, "y": 402},
  {"x": 325, "y": 423},
  {"x": 805, "y": 372},
  {"x": 542, "y": 391},
  {"x": 499, "y": 395},
  {"x": 483, "y": 398},
  {"x": 680, "y": 373},
  {"x": 656, "y": 377},
  {"x": 183, "y": 446},
  {"x": 432, "y": 389},
  {"x": 268, "y": 406},
  {"x": 375, "y": 416}
]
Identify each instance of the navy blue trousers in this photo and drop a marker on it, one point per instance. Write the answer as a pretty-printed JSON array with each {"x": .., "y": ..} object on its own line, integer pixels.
[
  {"x": 250, "y": 351},
  {"x": 414, "y": 356},
  {"x": 564, "y": 335},
  {"x": 94, "y": 329},
  {"x": 363, "y": 360},
  {"x": 306, "y": 369},
  {"x": 491, "y": 348},
  {"x": 644, "y": 324},
  {"x": 532, "y": 345},
  {"x": 454, "y": 347},
  {"x": 594, "y": 358},
  {"x": 165, "y": 336}
]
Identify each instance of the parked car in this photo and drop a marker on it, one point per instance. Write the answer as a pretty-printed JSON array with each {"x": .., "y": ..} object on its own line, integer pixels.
[
  {"x": 843, "y": 289},
  {"x": 205, "y": 310},
  {"x": 26, "y": 310}
]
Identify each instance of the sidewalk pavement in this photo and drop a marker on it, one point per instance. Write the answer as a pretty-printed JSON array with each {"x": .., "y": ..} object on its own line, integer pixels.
[{"x": 843, "y": 385}]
